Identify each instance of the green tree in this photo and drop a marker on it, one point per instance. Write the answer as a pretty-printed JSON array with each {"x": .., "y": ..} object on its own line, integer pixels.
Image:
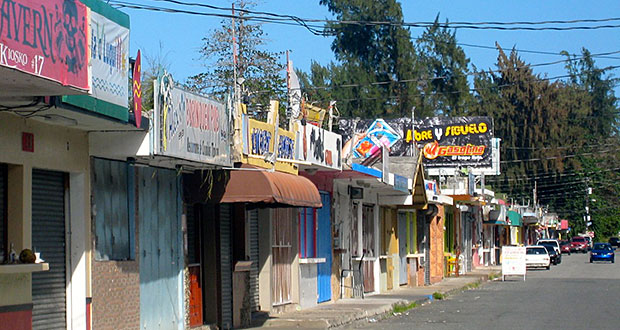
[
  {"x": 260, "y": 69},
  {"x": 443, "y": 69},
  {"x": 375, "y": 58}
]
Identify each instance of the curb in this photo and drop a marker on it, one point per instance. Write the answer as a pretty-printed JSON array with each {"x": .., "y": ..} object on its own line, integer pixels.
[{"x": 369, "y": 315}]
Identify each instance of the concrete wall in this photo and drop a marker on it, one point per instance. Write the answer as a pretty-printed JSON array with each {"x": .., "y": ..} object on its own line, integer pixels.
[
  {"x": 308, "y": 285},
  {"x": 56, "y": 148}
]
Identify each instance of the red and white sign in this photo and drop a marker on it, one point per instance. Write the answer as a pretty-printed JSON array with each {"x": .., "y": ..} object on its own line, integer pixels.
[{"x": 46, "y": 38}]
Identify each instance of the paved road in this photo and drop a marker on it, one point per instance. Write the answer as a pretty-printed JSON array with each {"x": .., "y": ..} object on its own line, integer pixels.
[{"x": 572, "y": 295}]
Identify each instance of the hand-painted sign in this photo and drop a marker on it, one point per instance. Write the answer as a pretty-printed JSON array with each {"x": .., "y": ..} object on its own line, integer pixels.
[
  {"x": 513, "y": 261},
  {"x": 455, "y": 141},
  {"x": 261, "y": 138},
  {"x": 377, "y": 135},
  {"x": 137, "y": 90},
  {"x": 109, "y": 60},
  {"x": 189, "y": 126},
  {"x": 319, "y": 146},
  {"x": 49, "y": 39}
]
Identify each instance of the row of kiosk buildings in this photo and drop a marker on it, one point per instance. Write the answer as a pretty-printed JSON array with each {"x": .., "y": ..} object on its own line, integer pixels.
[{"x": 193, "y": 213}]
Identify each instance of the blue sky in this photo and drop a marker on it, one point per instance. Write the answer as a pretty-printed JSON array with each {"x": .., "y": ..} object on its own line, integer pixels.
[{"x": 181, "y": 35}]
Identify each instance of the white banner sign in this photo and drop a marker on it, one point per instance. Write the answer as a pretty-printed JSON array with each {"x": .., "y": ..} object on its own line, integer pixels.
[
  {"x": 319, "y": 146},
  {"x": 109, "y": 60},
  {"x": 513, "y": 261},
  {"x": 189, "y": 126}
]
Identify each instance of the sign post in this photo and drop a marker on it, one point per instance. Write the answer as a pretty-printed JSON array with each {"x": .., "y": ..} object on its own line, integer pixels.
[{"x": 513, "y": 261}]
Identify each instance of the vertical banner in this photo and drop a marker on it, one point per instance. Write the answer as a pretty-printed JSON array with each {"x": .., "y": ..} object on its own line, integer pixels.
[
  {"x": 137, "y": 90},
  {"x": 109, "y": 60},
  {"x": 48, "y": 39}
]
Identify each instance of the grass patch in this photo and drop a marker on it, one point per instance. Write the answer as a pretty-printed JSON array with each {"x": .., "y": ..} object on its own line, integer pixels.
[
  {"x": 400, "y": 308},
  {"x": 493, "y": 276},
  {"x": 439, "y": 296},
  {"x": 472, "y": 285}
]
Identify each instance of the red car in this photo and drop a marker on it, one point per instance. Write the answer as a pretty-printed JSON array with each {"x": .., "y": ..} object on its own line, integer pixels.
[
  {"x": 565, "y": 247},
  {"x": 579, "y": 244}
]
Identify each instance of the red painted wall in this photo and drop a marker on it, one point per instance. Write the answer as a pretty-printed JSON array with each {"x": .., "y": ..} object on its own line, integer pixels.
[{"x": 20, "y": 320}]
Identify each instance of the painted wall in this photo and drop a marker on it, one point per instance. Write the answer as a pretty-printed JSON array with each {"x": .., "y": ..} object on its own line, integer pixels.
[{"x": 56, "y": 148}]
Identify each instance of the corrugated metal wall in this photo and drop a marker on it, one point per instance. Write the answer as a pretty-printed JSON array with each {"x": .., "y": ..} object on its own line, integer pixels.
[
  {"x": 49, "y": 237},
  {"x": 252, "y": 216},
  {"x": 161, "y": 257},
  {"x": 110, "y": 197},
  {"x": 226, "y": 264}
]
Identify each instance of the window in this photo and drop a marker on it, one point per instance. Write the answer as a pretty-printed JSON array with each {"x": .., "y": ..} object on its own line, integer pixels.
[
  {"x": 412, "y": 244},
  {"x": 113, "y": 210},
  {"x": 355, "y": 250},
  {"x": 368, "y": 230},
  {"x": 307, "y": 232}
]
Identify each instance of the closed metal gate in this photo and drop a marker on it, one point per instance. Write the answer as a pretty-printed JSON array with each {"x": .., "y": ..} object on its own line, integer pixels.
[
  {"x": 3, "y": 238},
  {"x": 252, "y": 216},
  {"x": 467, "y": 237},
  {"x": 402, "y": 247},
  {"x": 281, "y": 249},
  {"x": 226, "y": 264},
  {"x": 49, "y": 289},
  {"x": 324, "y": 249},
  {"x": 161, "y": 253}
]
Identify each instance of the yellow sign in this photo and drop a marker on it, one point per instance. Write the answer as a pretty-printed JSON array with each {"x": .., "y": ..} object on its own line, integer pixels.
[{"x": 269, "y": 146}]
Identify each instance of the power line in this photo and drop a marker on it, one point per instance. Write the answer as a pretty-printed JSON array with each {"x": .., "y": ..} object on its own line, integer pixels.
[{"x": 266, "y": 17}]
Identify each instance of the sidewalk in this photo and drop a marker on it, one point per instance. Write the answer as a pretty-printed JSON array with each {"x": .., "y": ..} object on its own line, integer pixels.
[{"x": 374, "y": 307}]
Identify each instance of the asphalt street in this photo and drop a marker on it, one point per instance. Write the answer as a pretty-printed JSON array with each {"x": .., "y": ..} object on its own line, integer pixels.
[{"x": 572, "y": 295}]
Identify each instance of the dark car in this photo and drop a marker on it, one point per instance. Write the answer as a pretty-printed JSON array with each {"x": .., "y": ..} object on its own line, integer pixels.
[
  {"x": 602, "y": 252},
  {"x": 565, "y": 247},
  {"x": 553, "y": 255},
  {"x": 614, "y": 241},
  {"x": 556, "y": 256}
]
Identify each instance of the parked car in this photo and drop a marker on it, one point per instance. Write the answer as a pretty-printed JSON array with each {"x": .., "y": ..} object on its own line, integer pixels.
[
  {"x": 614, "y": 241},
  {"x": 602, "y": 252},
  {"x": 579, "y": 244},
  {"x": 554, "y": 256},
  {"x": 565, "y": 246},
  {"x": 551, "y": 242},
  {"x": 537, "y": 256}
]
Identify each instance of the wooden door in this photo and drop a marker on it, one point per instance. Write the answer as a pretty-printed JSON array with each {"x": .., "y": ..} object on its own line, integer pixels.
[{"x": 369, "y": 275}]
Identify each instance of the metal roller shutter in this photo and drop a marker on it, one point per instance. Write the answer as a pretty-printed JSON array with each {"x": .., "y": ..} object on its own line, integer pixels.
[
  {"x": 226, "y": 264},
  {"x": 252, "y": 217},
  {"x": 48, "y": 237},
  {"x": 3, "y": 239}
]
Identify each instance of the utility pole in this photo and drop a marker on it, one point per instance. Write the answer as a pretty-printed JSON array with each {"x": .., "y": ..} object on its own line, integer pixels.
[{"x": 588, "y": 193}]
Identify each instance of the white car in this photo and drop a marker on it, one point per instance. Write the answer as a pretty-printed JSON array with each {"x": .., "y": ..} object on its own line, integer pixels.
[
  {"x": 537, "y": 256},
  {"x": 552, "y": 242}
]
